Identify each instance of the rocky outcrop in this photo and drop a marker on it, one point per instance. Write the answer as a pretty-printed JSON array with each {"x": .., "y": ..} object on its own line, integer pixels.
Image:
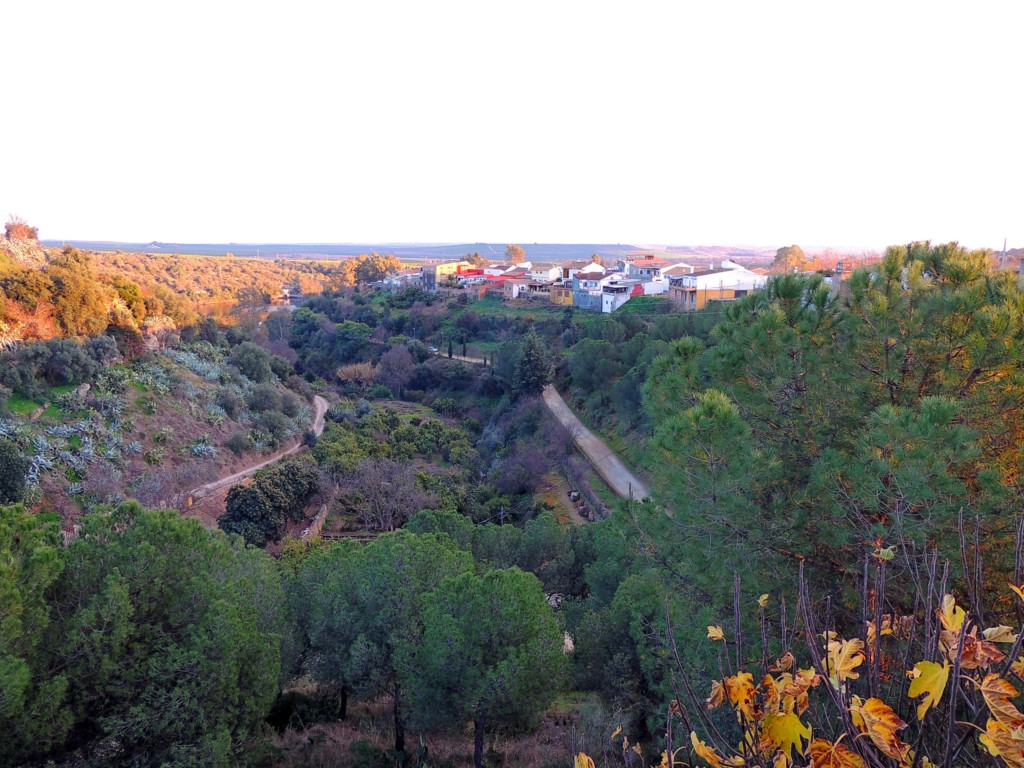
[{"x": 24, "y": 251}]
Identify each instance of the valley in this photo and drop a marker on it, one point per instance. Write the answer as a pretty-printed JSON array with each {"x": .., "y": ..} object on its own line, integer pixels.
[{"x": 391, "y": 521}]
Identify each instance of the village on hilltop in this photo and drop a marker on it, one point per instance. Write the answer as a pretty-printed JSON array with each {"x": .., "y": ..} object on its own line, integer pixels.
[{"x": 593, "y": 286}]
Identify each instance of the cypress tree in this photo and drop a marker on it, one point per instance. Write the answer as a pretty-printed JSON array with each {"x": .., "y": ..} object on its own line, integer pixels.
[{"x": 533, "y": 371}]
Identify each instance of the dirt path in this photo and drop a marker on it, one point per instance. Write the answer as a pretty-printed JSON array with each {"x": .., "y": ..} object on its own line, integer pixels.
[
  {"x": 475, "y": 360},
  {"x": 562, "y": 489},
  {"x": 320, "y": 407},
  {"x": 608, "y": 465}
]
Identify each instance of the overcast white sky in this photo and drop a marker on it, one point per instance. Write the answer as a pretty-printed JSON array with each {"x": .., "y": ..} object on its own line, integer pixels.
[{"x": 819, "y": 123}]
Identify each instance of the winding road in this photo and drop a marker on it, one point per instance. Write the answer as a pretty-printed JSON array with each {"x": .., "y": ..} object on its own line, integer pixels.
[
  {"x": 320, "y": 407},
  {"x": 609, "y": 466}
]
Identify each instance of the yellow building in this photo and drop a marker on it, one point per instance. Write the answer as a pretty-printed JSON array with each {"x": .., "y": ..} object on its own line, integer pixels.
[
  {"x": 692, "y": 291},
  {"x": 561, "y": 295}
]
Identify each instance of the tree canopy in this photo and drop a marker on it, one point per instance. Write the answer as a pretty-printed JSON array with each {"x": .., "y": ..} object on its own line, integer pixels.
[
  {"x": 515, "y": 254},
  {"x": 160, "y": 643},
  {"x": 532, "y": 368},
  {"x": 491, "y": 651},
  {"x": 789, "y": 258}
]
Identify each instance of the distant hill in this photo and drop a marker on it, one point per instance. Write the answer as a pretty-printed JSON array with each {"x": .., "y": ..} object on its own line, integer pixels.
[
  {"x": 404, "y": 251},
  {"x": 720, "y": 251}
]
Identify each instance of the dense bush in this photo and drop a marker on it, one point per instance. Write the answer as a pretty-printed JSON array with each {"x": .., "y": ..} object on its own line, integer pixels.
[
  {"x": 238, "y": 443},
  {"x": 259, "y": 512},
  {"x": 253, "y": 361},
  {"x": 13, "y": 472},
  {"x": 265, "y": 397},
  {"x": 274, "y": 424}
]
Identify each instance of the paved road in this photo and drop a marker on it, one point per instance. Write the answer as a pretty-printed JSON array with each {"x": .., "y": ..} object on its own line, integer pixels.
[
  {"x": 320, "y": 407},
  {"x": 609, "y": 466}
]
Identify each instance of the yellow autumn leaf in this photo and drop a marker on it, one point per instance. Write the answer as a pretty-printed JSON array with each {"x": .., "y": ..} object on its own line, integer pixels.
[
  {"x": 1004, "y": 742},
  {"x": 1018, "y": 590},
  {"x": 740, "y": 688},
  {"x": 987, "y": 739},
  {"x": 976, "y": 653},
  {"x": 886, "y": 554},
  {"x": 717, "y": 697},
  {"x": 769, "y": 695},
  {"x": 844, "y": 656},
  {"x": 997, "y": 693},
  {"x": 876, "y": 719},
  {"x": 615, "y": 733},
  {"x": 762, "y": 601},
  {"x": 785, "y": 732},
  {"x": 872, "y": 631},
  {"x": 1018, "y": 667},
  {"x": 783, "y": 664},
  {"x": 1000, "y": 634},
  {"x": 950, "y": 614},
  {"x": 703, "y": 751},
  {"x": 583, "y": 761},
  {"x": 715, "y": 633},
  {"x": 825, "y": 754},
  {"x": 930, "y": 681}
]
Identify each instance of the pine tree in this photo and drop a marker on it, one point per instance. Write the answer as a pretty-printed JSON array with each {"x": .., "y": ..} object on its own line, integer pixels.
[{"x": 491, "y": 652}]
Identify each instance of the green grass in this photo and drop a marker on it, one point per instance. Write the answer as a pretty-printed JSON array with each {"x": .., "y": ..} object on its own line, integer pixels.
[
  {"x": 53, "y": 412},
  {"x": 600, "y": 487},
  {"x": 49, "y": 517},
  {"x": 21, "y": 405},
  {"x": 646, "y": 305},
  {"x": 631, "y": 448},
  {"x": 495, "y": 307},
  {"x": 479, "y": 348}
]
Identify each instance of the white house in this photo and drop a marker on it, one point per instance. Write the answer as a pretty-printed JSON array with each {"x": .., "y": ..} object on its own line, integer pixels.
[
  {"x": 497, "y": 270},
  {"x": 644, "y": 269},
  {"x": 693, "y": 290},
  {"x": 572, "y": 268},
  {"x": 616, "y": 293},
  {"x": 544, "y": 274}
]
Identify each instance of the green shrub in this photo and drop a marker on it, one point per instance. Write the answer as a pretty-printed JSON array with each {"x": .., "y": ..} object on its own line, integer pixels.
[
  {"x": 13, "y": 473},
  {"x": 238, "y": 443},
  {"x": 274, "y": 424},
  {"x": 265, "y": 398},
  {"x": 290, "y": 405}
]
